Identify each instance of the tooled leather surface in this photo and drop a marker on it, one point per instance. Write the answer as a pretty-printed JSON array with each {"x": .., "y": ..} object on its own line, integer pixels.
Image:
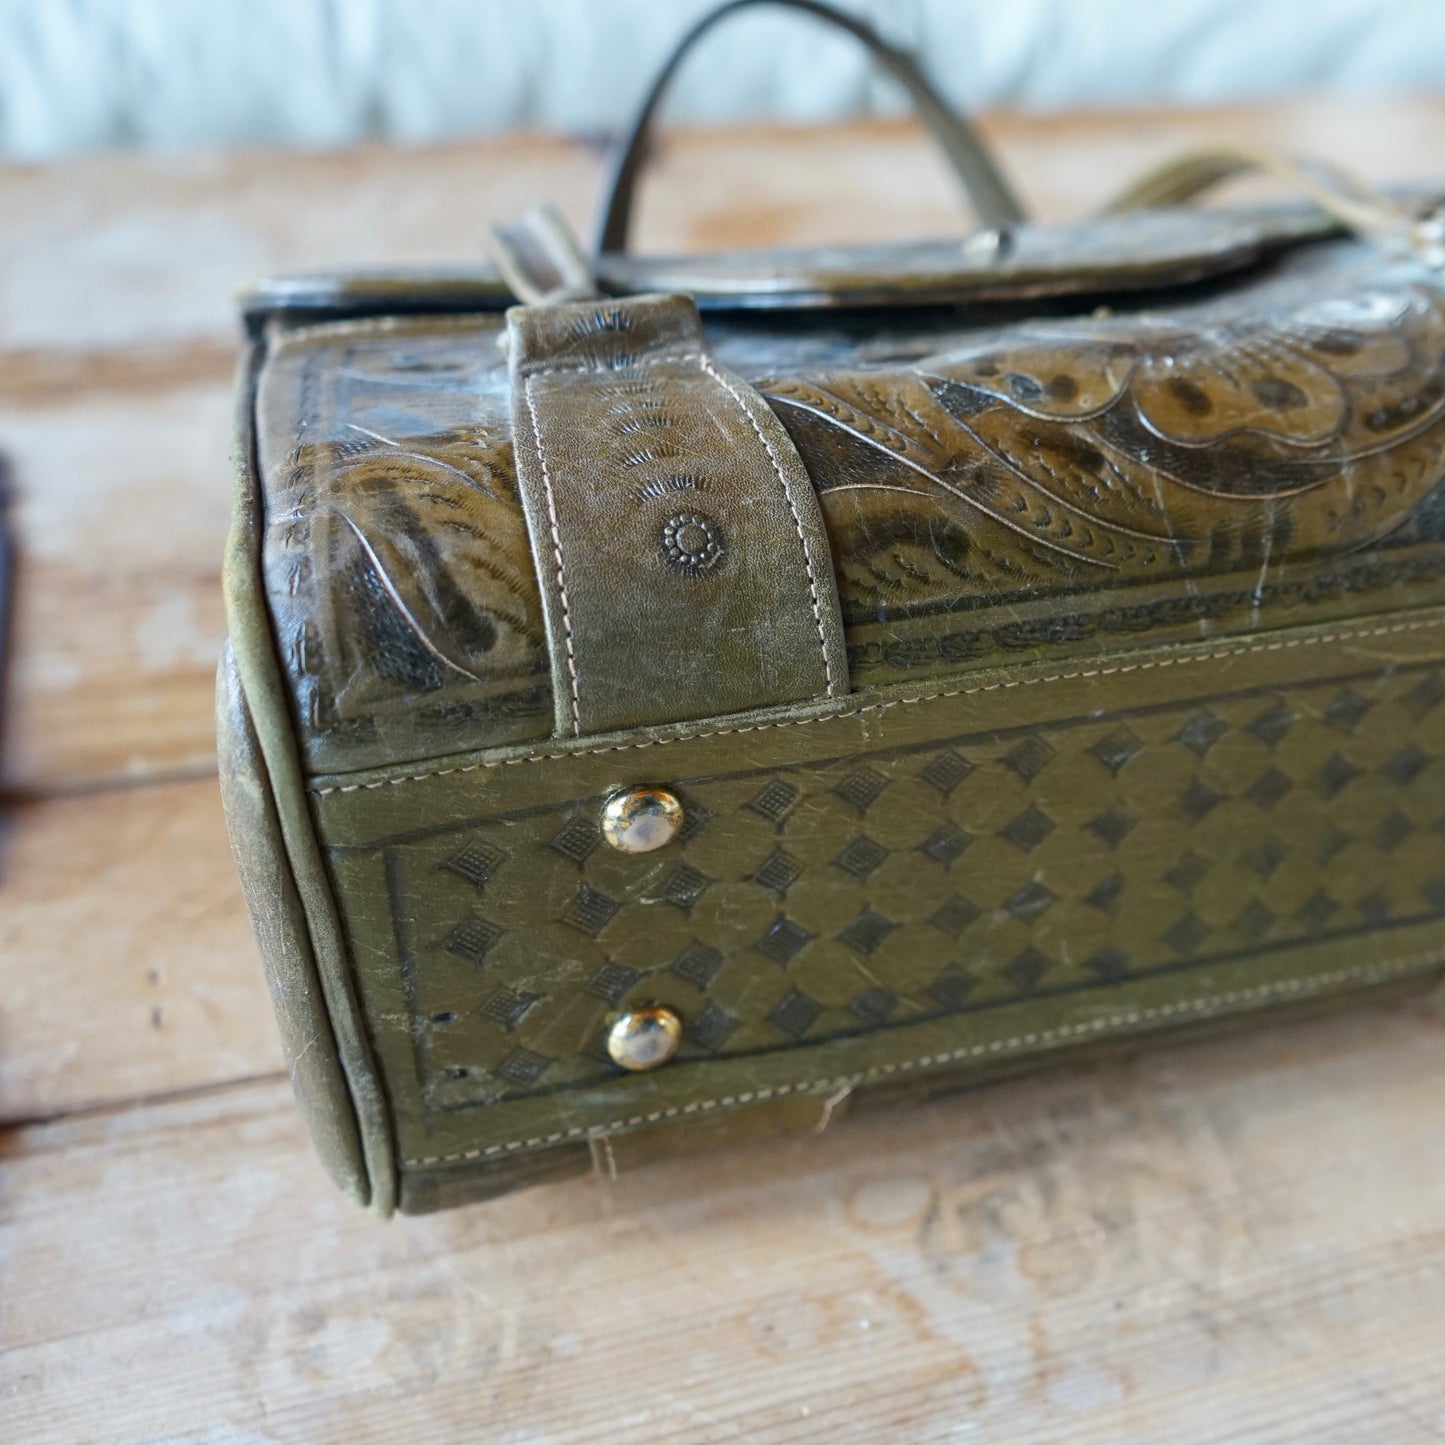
[
  {"x": 1221, "y": 462},
  {"x": 1040, "y": 865}
]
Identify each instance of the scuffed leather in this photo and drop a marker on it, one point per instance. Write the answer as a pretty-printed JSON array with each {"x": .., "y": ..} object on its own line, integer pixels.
[{"x": 1144, "y": 609}]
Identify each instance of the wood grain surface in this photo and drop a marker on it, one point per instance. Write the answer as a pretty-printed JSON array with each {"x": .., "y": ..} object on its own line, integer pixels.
[{"x": 1237, "y": 1239}]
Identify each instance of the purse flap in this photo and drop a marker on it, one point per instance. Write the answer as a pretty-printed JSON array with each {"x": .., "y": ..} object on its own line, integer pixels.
[{"x": 1105, "y": 255}]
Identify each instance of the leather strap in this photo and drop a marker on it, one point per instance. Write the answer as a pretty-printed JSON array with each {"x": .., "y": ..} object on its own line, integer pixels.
[
  {"x": 540, "y": 260},
  {"x": 684, "y": 568},
  {"x": 989, "y": 193},
  {"x": 1357, "y": 205}
]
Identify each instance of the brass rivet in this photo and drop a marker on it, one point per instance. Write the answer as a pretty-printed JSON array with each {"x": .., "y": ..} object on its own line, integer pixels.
[
  {"x": 644, "y": 1038},
  {"x": 641, "y": 819}
]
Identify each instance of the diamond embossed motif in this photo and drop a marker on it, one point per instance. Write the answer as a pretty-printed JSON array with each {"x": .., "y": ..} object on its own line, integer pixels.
[
  {"x": 1199, "y": 800},
  {"x": 476, "y": 863},
  {"x": 1032, "y": 901},
  {"x": 1406, "y": 766},
  {"x": 1393, "y": 831},
  {"x": 522, "y": 1068},
  {"x": 1317, "y": 910},
  {"x": 951, "y": 989},
  {"x": 1113, "y": 825},
  {"x": 1029, "y": 829},
  {"x": 778, "y": 872},
  {"x": 954, "y": 916},
  {"x": 865, "y": 934},
  {"x": 1105, "y": 896},
  {"x": 1267, "y": 857},
  {"x": 1117, "y": 749},
  {"x": 712, "y": 1028},
  {"x": 796, "y": 1013},
  {"x": 472, "y": 939},
  {"x": 784, "y": 939},
  {"x": 1335, "y": 776},
  {"x": 1188, "y": 934},
  {"x": 576, "y": 839},
  {"x": 946, "y": 845},
  {"x": 1255, "y": 921},
  {"x": 1188, "y": 873},
  {"x": 684, "y": 886},
  {"x": 1374, "y": 908},
  {"x": 773, "y": 800},
  {"x": 1029, "y": 758},
  {"x": 1025, "y": 971},
  {"x": 1269, "y": 789},
  {"x": 1272, "y": 727},
  {"x": 612, "y": 981},
  {"x": 1346, "y": 710},
  {"x": 861, "y": 788},
  {"x": 590, "y": 910},
  {"x": 1110, "y": 964},
  {"x": 1201, "y": 732},
  {"x": 509, "y": 1006},
  {"x": 875, "y": 1005},
  {"x": 697, "y": 964},
  {"x": 861, "y": 859},
  {"x": 946, "y": 772}
]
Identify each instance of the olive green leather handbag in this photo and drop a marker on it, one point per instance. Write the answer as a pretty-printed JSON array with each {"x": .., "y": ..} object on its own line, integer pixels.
[{"x": 718, "y": 689}]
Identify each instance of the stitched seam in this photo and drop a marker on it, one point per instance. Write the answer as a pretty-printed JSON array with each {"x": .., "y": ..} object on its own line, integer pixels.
[
  {"x": 1342, "y": 636},
  {"x": 732, "y": 391},
  {"x": 557, "y": 553},
  {"x": 1200, "y": 1006}
]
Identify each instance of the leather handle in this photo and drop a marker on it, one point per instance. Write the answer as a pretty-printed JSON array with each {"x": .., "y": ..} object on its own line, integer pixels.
[
  {"x": 990, "y": 195},
  {"x": 1358, "y": 206}
]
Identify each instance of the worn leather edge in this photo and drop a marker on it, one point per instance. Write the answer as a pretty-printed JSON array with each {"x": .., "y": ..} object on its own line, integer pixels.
[
  {"x": 258, "y": 671},
  {"x": 278, "y": 920},
  {"x": 842, "y": 1063},
  {"x": 427, "y": 1186}
]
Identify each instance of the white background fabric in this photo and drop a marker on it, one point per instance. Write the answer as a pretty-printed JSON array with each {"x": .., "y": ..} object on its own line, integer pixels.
[{"x": 82, "y": 74}]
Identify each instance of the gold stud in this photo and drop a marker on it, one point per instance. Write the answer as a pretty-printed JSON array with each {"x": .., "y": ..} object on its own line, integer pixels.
[
  {"x": 641, "y": 819},
  {"x": 644, "y": 1038}
]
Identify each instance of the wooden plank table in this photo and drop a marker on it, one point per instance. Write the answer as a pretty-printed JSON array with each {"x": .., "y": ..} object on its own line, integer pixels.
[{"x": 1238, "y": 1239}]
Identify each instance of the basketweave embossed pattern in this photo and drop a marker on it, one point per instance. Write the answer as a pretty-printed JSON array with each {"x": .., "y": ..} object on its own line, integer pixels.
[{"x": 864, "y": 892}]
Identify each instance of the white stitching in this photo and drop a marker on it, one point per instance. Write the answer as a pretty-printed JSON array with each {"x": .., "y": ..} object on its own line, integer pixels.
[
  {"x": 557, "y": 553},
  {"x": 706, "y": 364},
  {"x": 1177, "y": 661},
  {"x": 997, "y": 1046}
]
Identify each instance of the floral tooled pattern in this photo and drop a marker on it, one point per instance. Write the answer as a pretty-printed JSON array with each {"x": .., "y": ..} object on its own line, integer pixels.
[{"x": 1117, "y": 448}]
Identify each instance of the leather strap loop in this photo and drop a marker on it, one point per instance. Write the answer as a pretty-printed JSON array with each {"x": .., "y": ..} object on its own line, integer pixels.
[
  {"x": 989, "y": 193},
  {"x": 684, "y": 568}
]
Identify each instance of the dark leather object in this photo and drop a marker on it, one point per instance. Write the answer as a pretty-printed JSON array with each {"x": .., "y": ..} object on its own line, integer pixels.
[{"x": 1034, "y": 672}]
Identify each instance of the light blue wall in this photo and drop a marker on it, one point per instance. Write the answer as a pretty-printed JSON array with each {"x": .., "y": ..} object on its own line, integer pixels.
[{"x": 81, "y": 74}]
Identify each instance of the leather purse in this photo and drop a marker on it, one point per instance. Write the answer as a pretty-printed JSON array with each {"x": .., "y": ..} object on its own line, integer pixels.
[{"x": 718, "y": 690}]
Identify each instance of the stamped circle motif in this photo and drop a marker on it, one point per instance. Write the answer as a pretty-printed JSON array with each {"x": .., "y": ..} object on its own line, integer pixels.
[{"x": 693, "y": 544}]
